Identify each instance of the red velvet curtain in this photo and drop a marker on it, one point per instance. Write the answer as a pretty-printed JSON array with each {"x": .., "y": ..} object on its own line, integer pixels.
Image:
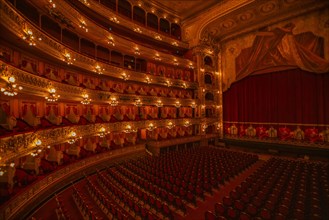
[{"x": 290, "y": 96}]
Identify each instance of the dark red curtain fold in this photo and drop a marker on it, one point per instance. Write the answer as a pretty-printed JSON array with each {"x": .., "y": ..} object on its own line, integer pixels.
[{"x": 290, "y": 96}]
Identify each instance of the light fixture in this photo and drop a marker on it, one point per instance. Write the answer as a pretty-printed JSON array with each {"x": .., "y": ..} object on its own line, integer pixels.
[
  {"x": 201, "y": 69},
  {"x": 177, "y": 104},
  {"x": 184, "y": 85},
  {"x": 150, "y": 127},
  {"x": 38, "y": 148},
  {"x": 52, "y": 4},
  {"x": 138, "y": 103},
  {"x": 53, "y": 97},
  {"x": 193, "y": 105},
  {"x": 176, "y": 62},
  {"x": 11, "y": 87},
  {"x": 114, "y": 102},
  {"x": 138, "y": 30},
  {"x": 125, "y": 76},
  {"x": 148, "y": 80},
  {"x": 86, "y": 100},
  {"x": 73, "y": 137},
  {"x": 115, "y": 20},
  {"x": 174, "y": 43},
  {"x": 170, "y": 125},
  {"x": 83, "y": 25},
  {"x": 29, "y": 37},
  {"x": 111, "y": 41},
  {"x": 129, "y": 129},
  {"x": 137, "y": 52},
  {"x": 187, "y": 123},
  {"x": 159, "y": 104},
  {"x": 204, "y": 127},
  {"x": 102, "y": 132},
  {"x": 158, "y": 37},
  {"x": 86, "y": 2},
  {"x": 168, "y": 83},
  {"x": 157, "y": 57},
  {"x": 68, "y": 59},
  {"x": 99, "y": 69},
  {"x": 190, "y": 66}
]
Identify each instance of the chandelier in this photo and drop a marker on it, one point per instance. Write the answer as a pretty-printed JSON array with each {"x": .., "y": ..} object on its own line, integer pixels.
[
  {"x": 53, "y": 97},
  {"x": 111, "y": 41},
  {"x": 170, "y": 125},
  {"x": 115, "y": 20},
  {"x": 3, "y": 169},
  {"x": 193, "y": 105},
  {"x": 159, "y": 104},
  {"x": 86, "y": 100},
  {"x": 29, "y": 37},
  {"x": 114, "y": 102},
  {"x": 137, "y": 52},
  {"x": 38, "y": 148},
  {"x": 129, "y": 129},
  {"x": 11, "y": 87},
  {"x": 138, "y": 103},
  {"x": 168, "y": 83},
  {"x": 138, "y": 30},
  {"x": 148, "y": 80},
  {"x": 157, "y": 57},
  {"x": 83, "y": 25},
  {"x": 176, "y": 62}
]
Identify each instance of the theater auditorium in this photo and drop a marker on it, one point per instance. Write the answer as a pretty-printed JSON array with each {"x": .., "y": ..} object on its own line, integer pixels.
[{"x": 164, "y": 109}]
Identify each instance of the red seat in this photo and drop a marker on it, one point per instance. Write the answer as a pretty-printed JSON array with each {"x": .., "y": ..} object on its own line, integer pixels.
[
  {"x": 265, "y": 214},
  {"x": 220, "y": 210},
  {"x": 210, "y": 216},
  {"x": 231, "y": 213}
]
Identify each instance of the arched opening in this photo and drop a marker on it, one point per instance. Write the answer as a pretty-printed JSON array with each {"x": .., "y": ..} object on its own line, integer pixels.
[
  {"x": 111, "y": 4},
  {"x": 51, "y": 27},
  {"x": 208, "y": 78},
  {"x": 175, "y": 31},
  {"x": 207, "y": 61},
  {"x": 70, "y": 39},
  {"x": 209, "y": 96},
  {"x": 152, "y": 21},
  {"x": 87, "y": 47},
  {"x": 124, "y": 8},
  {"x": 164, "y": 26},
  {"x": 139, "y": 15}
]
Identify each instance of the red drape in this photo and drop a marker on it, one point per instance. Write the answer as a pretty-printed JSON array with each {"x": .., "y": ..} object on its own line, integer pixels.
[{"x": 290, "y": 96}]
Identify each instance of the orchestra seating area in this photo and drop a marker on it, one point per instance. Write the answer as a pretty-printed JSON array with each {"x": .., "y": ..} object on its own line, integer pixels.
[{"x": 280, "y": 189}]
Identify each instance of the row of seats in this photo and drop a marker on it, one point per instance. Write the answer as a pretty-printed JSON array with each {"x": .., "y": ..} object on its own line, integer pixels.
[{"x": 280, "y": 189}]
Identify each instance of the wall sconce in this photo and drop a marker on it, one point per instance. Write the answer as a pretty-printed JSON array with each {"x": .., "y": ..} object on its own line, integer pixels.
[
  {"x": 111, "y": 41},
  {"x": 187, "y": 123},
  {"x": 53, "y": 97},
  {"x": 184, "y": 85},
  {"x": 159, "y": 104},
  {"x": 138, "y": 103},
  {"x": 115, "y": 20},
  {"x": 114, "y": 102},
  {"x": 68, "y": 59},
  {"x": 137, "y": 52},
  {"x": 148, "y": 80},
  {"x": 158, "y": 37},
  {"x": 174, "y": 43},
  {"x": 157, "y": 57},
  {"x": 125, "y": 76},
  {"x": 151, "y": 127},
  {"x": 176, "y": 62},
  {"x": 102, "y": 132},
  {"x": 73, "y": 137},
  {"x": 193, "y": 105},
  {"x": 83, "y": 25},
  {"x": 168, "y": 83},
  {"x": 129, "y": 129},
  {"x": 190, "y": 66},
  {"x": 52, "y": 4},
  {"x": 170, "y": 125},
  {"x": 177, "y": 104},
  {"x": 99, "y": 69},
  {"x": 201, "y": 69},
  {"x": 86, "y": 2},
  {"x": 11, "y": 87},
  {"x": 138, "y": 30},
  {"x": 204, "y": 127},
  {"x": 86, "y": 100}
]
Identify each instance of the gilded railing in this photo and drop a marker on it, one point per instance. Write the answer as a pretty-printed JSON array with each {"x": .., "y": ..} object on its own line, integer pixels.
[{"x": 14, "y": 22}]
